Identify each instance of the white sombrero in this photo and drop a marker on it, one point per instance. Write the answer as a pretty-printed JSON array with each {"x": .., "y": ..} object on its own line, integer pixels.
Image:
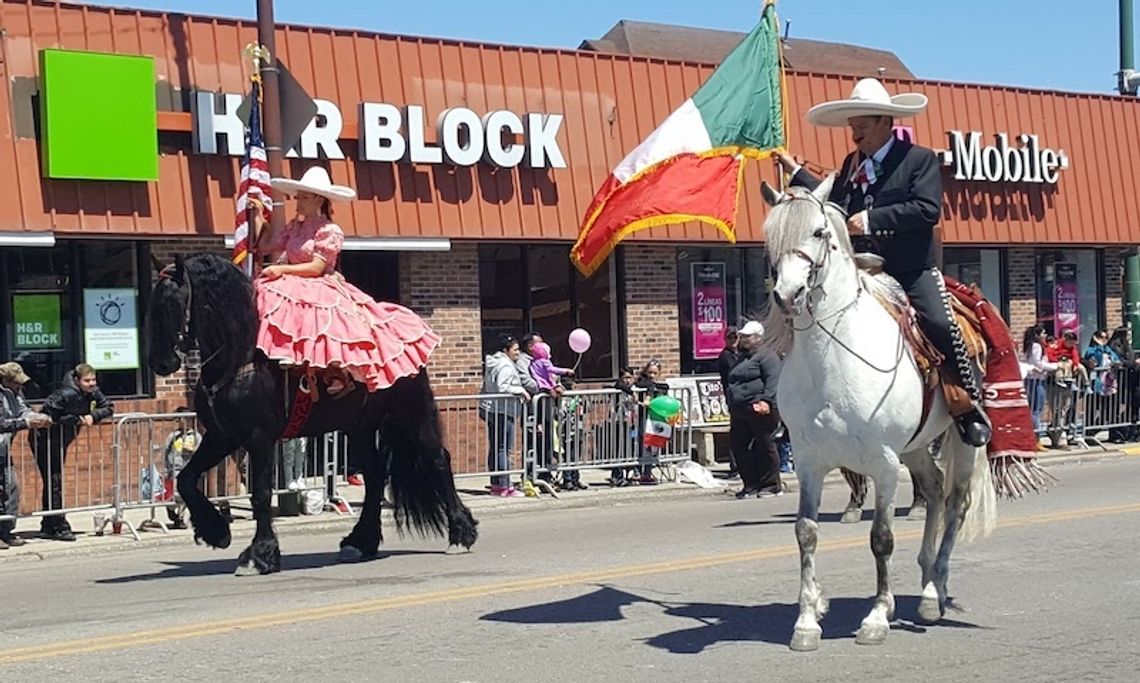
[
  {"x": 868, "y": 98},
  {"x": 317, "y": 181}
]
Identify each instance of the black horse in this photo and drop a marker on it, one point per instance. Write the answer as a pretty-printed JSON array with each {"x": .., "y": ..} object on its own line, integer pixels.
[{"x": 242, "y": 400}]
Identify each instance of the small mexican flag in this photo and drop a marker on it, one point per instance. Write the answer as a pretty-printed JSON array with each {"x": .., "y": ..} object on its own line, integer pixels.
[
  {"x": 657, "y": 433},
  {"x": 691, "y": 168}
]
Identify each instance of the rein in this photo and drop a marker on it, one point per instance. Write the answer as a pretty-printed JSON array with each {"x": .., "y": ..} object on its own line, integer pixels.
[
  {"x": 188, "y": 341},
  {"x": 816, "y": 268}
]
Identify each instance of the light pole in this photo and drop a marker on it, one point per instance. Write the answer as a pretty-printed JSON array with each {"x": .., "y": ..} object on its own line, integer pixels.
[{"x": 271, "y": 105}]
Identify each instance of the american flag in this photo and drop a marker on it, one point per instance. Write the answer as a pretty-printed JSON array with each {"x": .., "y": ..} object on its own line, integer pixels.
[{"x": 254, "y": 183}]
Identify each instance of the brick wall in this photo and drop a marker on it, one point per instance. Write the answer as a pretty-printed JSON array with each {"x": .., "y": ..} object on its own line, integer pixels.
[
  {"x": 651, "y": 316},
  {"x": 1022, "y": 289},
  {"x": 443, "y": 288},
  {"x": 1113, "y": 288}
]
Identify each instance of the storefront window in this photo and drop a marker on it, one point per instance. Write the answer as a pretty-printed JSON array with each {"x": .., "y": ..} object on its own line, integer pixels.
[
  {"x": 982, "y": 267},
  {"x": 72, "y": 303},
  {"x": 1069, "y": 291},
  {"x": 717, "y": 288},
  {"x": 526, "y": 288}
]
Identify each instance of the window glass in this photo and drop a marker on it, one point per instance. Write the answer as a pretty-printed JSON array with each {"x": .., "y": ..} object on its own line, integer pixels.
[{"x": 702, "y": 274}]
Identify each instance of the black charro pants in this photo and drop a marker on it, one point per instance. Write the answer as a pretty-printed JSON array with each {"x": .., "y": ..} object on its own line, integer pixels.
[{"x": 927, "y": 293}]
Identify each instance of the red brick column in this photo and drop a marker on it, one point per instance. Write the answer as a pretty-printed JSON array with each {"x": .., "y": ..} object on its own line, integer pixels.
[{"x": 652, "y": 326}]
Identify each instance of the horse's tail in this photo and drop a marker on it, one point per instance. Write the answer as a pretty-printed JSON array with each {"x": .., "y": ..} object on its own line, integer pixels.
[
  {"x": 423, "y": 485},
  {"x": 982, "y": 513}
]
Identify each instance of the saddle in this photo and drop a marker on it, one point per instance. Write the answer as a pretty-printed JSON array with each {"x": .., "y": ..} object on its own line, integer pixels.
[{"x": 929, "y": 360}]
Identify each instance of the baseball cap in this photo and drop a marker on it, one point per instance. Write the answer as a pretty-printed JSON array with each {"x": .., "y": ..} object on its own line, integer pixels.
[
  {"x": 752, "y": 329},
  {"x": 14, "y": 372}
]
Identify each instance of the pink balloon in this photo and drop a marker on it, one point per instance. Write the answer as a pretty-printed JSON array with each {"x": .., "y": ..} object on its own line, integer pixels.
[{"x": 580, "y": 341}]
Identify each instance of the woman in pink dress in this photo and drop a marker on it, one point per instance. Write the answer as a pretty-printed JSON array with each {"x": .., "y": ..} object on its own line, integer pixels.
[{"x": 312, "y": 318}]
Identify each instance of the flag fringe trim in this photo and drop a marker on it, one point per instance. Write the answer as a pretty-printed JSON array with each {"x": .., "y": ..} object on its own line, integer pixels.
[{"x": 588, "y": 269}]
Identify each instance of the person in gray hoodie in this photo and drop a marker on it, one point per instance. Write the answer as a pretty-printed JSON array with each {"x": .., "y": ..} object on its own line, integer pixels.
[{"x": 501, "y": 376}]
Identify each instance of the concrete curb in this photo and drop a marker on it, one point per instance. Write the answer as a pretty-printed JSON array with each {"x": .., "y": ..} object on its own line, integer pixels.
[{"x": 482, "y": 506}]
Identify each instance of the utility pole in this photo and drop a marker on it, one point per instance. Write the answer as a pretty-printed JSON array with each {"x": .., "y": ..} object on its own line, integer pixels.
[
  {"x": 271, "y": 107},
  {"x": 1129, "y": 79}
]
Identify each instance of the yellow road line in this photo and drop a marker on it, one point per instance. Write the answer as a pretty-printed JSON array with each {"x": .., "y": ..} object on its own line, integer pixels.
[
  {"x": 225, "y": 626},
  {"x": 1131, "y": 450}
]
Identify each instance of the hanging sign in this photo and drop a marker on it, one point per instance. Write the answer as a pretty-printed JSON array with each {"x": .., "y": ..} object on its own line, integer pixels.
[
  {"x": 710, "y": 319},
  {"x": 1066, "y": 301},
  {"x": 110, "y": 329}
]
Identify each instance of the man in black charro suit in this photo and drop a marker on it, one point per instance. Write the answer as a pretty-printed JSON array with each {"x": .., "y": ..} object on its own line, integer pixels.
[{"x": 892, "y": 192}]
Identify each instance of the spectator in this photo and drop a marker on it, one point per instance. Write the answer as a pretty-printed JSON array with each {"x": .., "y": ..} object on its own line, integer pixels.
[
  {"x": 728, "y": 359},
  {"x": 546, "y": 376},
  {"x": 180, "y": 446},
  {"x": 76, "y": 404},
  {"x": 524, "y": 360},
  {"x": 626, "y": 415},
  {"x": 1035, "y": 368},
  {"x": 541, "y": 438},
  {"x": 1102, "y": 361},
  {"x": 501, "y": 376},
  {"x": 651, "y": 386},
  {"x": 1121, "y": 343},
  {"x": 1070, "y": 377},
  {"x": 294, "y": 453},
  {"x": 14, "y": 416},
  {"x": 752, "y": 404}
]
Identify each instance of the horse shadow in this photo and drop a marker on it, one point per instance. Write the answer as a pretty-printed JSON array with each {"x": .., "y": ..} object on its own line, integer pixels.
[
  {"x": 718, "y": 623},
  {"x": 182, "y": 570},
  {"x": 790, "y": 518}
]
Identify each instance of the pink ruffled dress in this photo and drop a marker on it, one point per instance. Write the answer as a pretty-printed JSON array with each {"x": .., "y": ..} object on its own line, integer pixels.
[{"x": 327, "y": 322}]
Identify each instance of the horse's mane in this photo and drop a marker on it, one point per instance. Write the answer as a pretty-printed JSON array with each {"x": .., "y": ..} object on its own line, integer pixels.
[
  {"x": 225, "y": 311},
  {"x": 789, "y": 225}
]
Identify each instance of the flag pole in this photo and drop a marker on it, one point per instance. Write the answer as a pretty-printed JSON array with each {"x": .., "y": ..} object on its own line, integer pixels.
[{"x": 270, "y": 112}]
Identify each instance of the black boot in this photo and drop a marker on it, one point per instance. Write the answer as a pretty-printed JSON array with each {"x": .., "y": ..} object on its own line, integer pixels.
[
  {"x": 974, "y": 428},
  {"x": 56, "y": 529}
]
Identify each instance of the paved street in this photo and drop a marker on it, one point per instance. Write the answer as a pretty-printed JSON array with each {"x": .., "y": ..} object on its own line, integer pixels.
[{"x": 684, "y": 589}]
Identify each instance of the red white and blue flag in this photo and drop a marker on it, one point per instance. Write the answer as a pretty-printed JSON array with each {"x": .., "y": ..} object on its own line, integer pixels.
[{"x": 254, "y": 183}]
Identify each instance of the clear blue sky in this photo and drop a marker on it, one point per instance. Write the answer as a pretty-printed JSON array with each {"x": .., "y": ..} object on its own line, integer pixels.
[{"x": 1042, "y": 43}]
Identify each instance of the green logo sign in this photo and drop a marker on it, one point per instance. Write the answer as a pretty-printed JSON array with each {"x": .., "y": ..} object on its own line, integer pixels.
[
  {"x": 99, "y": 116},
  {"x": 37, "y": 321}
]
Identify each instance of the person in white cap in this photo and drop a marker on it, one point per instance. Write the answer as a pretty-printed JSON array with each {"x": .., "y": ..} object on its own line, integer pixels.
[
  {"x": 892, "y": 192},
  {"x": 312, "y": 318},
  {"x": 751, "y": 394}
]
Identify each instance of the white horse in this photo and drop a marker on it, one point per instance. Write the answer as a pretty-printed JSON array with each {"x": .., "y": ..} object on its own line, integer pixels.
[{"x": 851, "y": 395}]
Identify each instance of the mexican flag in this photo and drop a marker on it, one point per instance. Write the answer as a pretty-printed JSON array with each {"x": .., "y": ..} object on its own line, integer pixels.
[
  {"x": 657, "y": 433},
  {"x": 691, "y": 168}
]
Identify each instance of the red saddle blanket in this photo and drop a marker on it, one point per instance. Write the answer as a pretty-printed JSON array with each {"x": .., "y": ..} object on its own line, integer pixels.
[{"x": 1013, "y": 448}]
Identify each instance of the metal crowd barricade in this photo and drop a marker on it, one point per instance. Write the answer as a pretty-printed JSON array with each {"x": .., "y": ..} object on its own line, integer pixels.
[
  {"x": 76, "y": 458},
  {"x": 478, "y": 428},
  {"x": 1080, "y": 411},
  {"x": 600, "y": 429}
]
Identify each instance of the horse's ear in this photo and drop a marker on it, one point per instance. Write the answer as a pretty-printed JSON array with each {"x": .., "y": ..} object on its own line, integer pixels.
[
  {"x": 823, "y": 191},
  {"x": 156, "y": 264},
  {"x": 769, "y": 193}
]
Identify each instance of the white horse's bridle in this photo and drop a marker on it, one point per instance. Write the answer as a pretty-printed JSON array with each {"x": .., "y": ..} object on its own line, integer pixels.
[{"x": 816, "y": 266}]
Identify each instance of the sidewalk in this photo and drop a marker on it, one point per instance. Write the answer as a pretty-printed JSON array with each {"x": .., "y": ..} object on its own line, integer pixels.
[{"x": 481, "y": 504}]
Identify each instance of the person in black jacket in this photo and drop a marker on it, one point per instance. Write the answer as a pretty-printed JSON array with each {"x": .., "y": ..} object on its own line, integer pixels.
[
  {"x": 76, "y": 404},
  {"x": 727, "y": 360},
  {"x": 892, "y": 191},
  {"x": 751, "y": 396}
]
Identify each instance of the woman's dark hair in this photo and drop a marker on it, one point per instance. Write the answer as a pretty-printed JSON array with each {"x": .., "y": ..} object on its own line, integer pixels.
[
  {"x": 505, "y": 341},
  {"x": 1031, "y": 334},
  {"x": 326, "y": 208},
  {"x": 731, "y": 333}
]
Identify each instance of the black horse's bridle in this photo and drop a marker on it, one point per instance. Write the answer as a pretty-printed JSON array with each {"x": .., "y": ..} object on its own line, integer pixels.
[{"x": 185, "y": 337}]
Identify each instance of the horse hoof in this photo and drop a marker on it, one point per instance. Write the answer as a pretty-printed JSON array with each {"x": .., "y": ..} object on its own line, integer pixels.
[
  {"x": 872, "y": 634},
  {"x": 804, "y": 640},
  {"x": 246, "y": 569},
  {"x": 929, "y": 611},
  {"x": 917, "y": 514},
  {"x": 454, "y": 549},
  {"x": 851, "y": 516},
  {"x": 350, "y": 553}
]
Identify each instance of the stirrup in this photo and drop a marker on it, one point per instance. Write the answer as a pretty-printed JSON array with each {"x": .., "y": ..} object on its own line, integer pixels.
[{"x": 341, "y": 378}]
